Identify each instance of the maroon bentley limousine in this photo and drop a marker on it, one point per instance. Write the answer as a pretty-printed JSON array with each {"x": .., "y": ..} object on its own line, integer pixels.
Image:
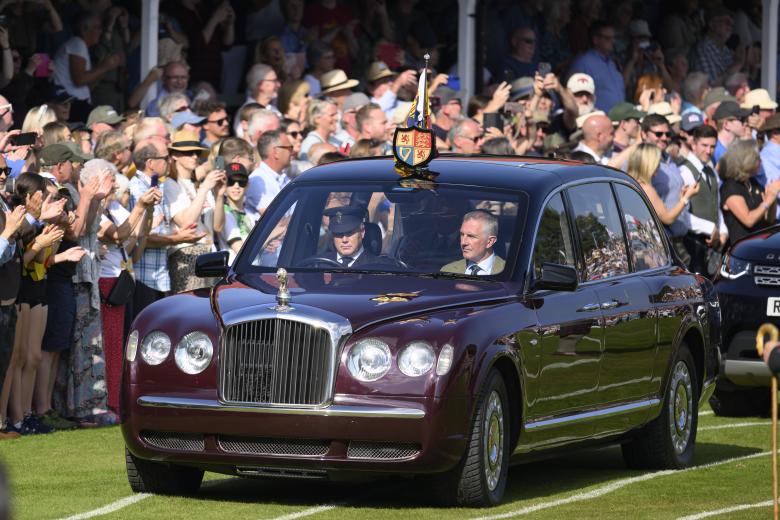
[{"x": 447, "y": 325}]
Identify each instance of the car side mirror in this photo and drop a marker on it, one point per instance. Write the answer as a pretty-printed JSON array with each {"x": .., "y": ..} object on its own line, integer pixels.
[
  {"x": 556, "y": 277},
  {"x": 212, "y": 265}
]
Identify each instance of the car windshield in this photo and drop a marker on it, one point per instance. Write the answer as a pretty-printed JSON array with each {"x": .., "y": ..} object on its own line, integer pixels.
[{"x": 437, "y": 230}]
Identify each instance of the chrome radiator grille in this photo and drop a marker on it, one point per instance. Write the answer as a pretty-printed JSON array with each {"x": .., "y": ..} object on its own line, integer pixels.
[
  {"x": 275, "y": 362},
  {"x": 766, "y": 275}
]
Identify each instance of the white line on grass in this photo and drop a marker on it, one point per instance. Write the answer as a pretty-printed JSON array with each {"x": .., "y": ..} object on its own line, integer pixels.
[
  {"x": 613, "y": 486},
  {"x": 308, "y": 512},
  {"x": 735, "y": 425},
  {"x": 725, "y": 510},
  {"x": 110, "y": 508}
]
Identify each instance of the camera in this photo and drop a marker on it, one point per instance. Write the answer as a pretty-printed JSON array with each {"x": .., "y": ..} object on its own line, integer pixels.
[{"x": 755, "y": 110}]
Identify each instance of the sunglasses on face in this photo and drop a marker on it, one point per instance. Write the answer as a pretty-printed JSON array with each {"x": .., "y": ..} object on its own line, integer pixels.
[
  {"x": 241, "y": 182},
  {"x": 218, "y": 122},
  {"x": 295, "y": 134},
  {"x": 659, "y": 135},
  {"x": 5, "y": 171}
]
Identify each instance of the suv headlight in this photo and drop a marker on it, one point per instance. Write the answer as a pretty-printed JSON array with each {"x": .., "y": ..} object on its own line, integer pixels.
[
  {"x": 193, "y": 353},
  {"x": 155, "y": 348},
  {"x": 369, "y": 359},
  {"x": 733, "y": 268},
  {"x": 416, "y": 359}
]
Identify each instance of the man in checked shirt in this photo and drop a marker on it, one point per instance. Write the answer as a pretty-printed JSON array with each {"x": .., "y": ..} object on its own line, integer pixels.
[{"x": 152, "y": 279}]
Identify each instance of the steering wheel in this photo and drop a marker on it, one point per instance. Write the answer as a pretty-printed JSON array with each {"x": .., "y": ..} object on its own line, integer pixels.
[{"x": 313, "y": 260}]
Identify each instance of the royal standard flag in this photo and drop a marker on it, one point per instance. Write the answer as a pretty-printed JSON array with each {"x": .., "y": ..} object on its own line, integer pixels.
[{"x": 420, "y": 113}]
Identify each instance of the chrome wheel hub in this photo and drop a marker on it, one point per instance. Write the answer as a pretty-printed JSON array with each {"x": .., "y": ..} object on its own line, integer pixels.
[
  {"x": 493, "y": 439},
  {"x": 680, "y": 405}
]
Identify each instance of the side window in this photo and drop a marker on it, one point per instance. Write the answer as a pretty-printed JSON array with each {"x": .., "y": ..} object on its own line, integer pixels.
[
  {"x": 598, "y": 225},
  {"x": 553, "y": 240},
  {"x": 644, "y": 239}
]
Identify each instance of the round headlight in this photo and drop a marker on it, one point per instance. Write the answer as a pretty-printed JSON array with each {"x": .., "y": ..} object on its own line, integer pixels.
[
  {"x": 132, "y": 346},
  {"x": 369, "y": 359},
  {"x": 155, "y": 348},
  {"x": 416, "y": 359},
  {"x": 444, "y": 363},
  {"x": 193, "y": 353}
]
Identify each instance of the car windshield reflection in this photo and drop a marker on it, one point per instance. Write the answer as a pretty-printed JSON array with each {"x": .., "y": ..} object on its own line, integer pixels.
[{"x": 373, "y": 228}]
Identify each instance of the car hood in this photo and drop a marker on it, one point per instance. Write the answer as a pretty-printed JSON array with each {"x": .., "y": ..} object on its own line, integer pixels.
[
  {"x": 761, "y": 247},
  {"x": 360, "y": 298}
]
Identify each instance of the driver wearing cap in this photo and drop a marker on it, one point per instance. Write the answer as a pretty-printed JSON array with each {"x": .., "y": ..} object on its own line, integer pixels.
[{"x": 345, "y": 224}]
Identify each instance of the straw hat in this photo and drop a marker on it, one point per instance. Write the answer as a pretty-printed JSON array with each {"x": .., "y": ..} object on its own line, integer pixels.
[
  {"x": 336, "y": 79},
  {"x": 186, "y": 141}
]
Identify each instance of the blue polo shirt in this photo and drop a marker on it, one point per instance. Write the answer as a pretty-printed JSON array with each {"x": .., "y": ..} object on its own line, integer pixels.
[
  {"x": 610, "y": 89},
  {"x": 770, "y": 165},
  {"x": 720, "y": 149},
  {"x": 668, "y": 183}
]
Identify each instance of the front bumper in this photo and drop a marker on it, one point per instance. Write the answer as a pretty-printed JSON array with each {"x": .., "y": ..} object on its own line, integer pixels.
[
  {"x": 743, "y": 306},
  {"x": 354, "y": 434}
]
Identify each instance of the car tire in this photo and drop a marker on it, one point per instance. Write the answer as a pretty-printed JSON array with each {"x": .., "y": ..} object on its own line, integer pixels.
[
  {"x": 479, "y": 479},
  {"x": 668, "y": 441},
  {"x": 740, "y": 402},
  {"x": 146, "y": 476}
]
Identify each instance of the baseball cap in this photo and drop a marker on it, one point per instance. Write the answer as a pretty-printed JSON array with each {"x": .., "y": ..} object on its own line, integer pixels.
[
  {"x": 691, "y": 121},
  {"x": 521, "y": 87},
  {"x": 378, "y": 70},
  {"x": 186, "y": 117},
  {"x": 344, "y": 219},
  {"x": 717, "y": 95},
  {"x": 759, "y": 97},
  {"x": 354, "y": 101},
  {"x": 729, "y": 109},
  {"x": 623, "y": 111},
  {"x": 78, "y": 155},
  {"x": 445, "y": 94},
  {"x": 236, "y": 169},
  {"x": 581, "y": 82},
  {"x": 104, "y": 114},
  {"x": 55, "y": 154}
]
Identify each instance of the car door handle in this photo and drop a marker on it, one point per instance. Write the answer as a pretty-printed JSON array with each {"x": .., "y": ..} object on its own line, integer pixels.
[
  {"x": 610, "y": 304},
  {"x": 590, "y": 307}
]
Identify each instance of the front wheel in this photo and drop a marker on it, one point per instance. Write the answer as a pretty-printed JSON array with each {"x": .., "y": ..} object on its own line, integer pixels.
[
  {"x": 146, "y": 476},
  {"x": 668, "y": 441},
  {"x": 479, "y": 480}
]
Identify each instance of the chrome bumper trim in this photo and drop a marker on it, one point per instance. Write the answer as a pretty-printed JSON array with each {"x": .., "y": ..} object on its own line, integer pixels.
[
  {"x": 183, "y": 403},
  {"x": 594, "y": 414}
]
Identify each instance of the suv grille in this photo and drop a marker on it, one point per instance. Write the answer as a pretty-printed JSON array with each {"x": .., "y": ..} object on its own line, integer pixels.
[
  {"x": 766, "y": 275},
  {"x": 275, "y": 362}
]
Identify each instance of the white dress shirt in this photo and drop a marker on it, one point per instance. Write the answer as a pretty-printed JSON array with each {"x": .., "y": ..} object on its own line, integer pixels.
[
  {"x": 485, "y": 266},
  {"x": 354, "y": 257},
  {"x": 696, "y": 224}
]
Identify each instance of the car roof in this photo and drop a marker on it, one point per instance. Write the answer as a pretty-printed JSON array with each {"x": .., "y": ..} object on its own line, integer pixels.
[{"x": 538, "y": 174}]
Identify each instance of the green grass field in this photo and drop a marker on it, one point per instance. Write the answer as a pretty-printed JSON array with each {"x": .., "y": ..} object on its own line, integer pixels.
[{"x": 73, "y": 474}]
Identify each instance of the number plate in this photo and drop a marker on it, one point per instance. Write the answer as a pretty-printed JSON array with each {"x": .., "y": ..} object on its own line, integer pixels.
[{"x": 773, "y": 306}]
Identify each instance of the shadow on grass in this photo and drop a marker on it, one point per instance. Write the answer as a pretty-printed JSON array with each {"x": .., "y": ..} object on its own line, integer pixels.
[{"x": 560, "y": 476}]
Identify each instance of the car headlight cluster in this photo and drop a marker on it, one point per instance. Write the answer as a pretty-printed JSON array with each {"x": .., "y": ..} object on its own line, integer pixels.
[
  {"x": 369, "y": 359},
  {"x": 192, "y": 355},
  {"x": 733, "y": 267}
]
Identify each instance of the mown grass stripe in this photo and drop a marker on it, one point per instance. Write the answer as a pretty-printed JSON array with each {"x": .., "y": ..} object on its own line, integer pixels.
[
  {"x": 307, "y": 512},
  {"x": 706, "y": 412},
  {"x": 614, "y": 486},
  {"x": 726, "y": 510},
  {"x": 735, "y": 425},
  {"x": 110, "y": 508}
]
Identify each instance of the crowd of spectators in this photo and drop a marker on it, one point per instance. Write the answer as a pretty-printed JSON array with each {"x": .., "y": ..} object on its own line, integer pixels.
[{"x": 105, "y": 172}]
